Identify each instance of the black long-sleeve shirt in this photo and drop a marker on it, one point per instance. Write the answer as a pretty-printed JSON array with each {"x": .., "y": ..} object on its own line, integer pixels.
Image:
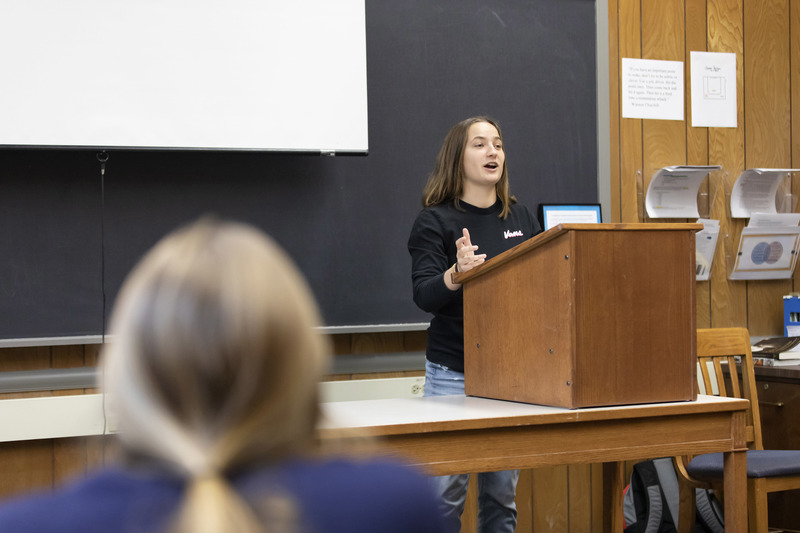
[{"x": 432, "y": 245}]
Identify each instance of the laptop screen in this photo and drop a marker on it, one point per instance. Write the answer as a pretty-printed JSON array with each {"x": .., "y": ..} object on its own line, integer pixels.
[{"x": 551, "y": 215}]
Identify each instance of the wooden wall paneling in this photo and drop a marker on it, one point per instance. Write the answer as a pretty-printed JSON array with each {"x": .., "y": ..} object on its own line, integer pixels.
[
  {"x": 371, "y": 343},
  {"x": 615, "y": 114},
  {"x": 767, "y": 131},
  {"x": 68, "y": 357},
  {"x": 525, "y": 501},
  {"x": 415, "y": 341},
  {"x": 579, "y": 481},
  {"x": 388, "y": 375},
  {"x": 697, "y": 138},
  {"x": 664, "y": 141},
  {"x": 696, "y": 38},
  {"x": 551, "y": 499},
  {"x": 69, "y": 455},
  {"x": 102, "y": 449},
  {"x": 597, "y": 497},
  {"x": 794, "y": 31},
  {"x": 70, "y": 459},
  {"x": 375, "y": 343},
  {"x": 95, "y": 447},
  {"x": 726, "y": 148},
  {"x": 630, "y": 137},
  {"x": 91, "y": 355},
  {"x": 28, "y": 358},
  {"x": 338, "y": 377},
  {"x": 341, "y": 343},
  {"x": 27, "y": 466}
]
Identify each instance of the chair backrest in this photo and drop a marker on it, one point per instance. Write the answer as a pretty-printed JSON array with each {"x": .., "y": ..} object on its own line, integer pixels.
[{"x": 716, "y": 346}]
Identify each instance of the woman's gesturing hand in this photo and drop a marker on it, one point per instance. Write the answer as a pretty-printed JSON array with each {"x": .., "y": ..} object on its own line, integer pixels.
[{"x": 466, "y": 258}]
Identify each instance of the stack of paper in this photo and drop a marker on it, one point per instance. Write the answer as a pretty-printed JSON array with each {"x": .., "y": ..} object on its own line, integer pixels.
[{"x": 777, "y": 351}]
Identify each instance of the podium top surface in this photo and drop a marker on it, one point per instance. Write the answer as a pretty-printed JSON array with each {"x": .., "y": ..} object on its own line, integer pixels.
[
  {"x": 561, "y": 229},
  {"x": 632, "y": 226}
]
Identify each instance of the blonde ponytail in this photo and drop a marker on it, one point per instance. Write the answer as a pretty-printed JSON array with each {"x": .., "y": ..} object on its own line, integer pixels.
[{"x": 211, "y": 505}]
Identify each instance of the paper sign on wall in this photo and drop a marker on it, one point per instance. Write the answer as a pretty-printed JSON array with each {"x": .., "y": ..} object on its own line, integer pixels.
[
  {"x": 652, "y": 89},
  {"x": 713, "y": 89}
]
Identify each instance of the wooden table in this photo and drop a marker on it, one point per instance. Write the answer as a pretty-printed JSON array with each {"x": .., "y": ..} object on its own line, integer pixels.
[{"x": 459, "y": 434}]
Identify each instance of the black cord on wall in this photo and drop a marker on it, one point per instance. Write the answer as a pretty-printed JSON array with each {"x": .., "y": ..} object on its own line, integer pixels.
[{"x": 102, "y": 158}]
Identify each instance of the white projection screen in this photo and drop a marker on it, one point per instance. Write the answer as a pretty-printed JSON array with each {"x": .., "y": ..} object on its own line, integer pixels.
[{"x": 283, "y": 75}]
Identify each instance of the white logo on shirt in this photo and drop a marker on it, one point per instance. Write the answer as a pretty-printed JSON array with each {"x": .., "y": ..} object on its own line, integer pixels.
[{"x": 509, "y": 233}]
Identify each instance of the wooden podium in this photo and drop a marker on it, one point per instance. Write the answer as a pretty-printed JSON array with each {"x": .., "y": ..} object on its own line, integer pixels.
[{"x": 585, "y": 315}]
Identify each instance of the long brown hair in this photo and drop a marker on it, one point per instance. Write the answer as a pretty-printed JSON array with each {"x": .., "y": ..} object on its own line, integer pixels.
[
  {"x": 446, "y": 182},
  {"x": 215, "y": 364}
]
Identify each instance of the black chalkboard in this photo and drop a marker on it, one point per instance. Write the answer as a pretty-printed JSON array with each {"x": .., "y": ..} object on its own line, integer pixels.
[{"x": 69, "y": 238}]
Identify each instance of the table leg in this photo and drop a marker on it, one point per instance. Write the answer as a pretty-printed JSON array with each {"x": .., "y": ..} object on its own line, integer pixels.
[{"x": 735, "y": 491}]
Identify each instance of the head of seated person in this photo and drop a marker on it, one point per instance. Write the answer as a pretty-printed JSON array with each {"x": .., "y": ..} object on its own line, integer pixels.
[{"x": 214, "y": 364}]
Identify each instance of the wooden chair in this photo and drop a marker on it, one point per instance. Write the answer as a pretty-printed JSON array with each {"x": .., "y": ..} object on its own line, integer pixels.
[{"x": 767, "y": 470}]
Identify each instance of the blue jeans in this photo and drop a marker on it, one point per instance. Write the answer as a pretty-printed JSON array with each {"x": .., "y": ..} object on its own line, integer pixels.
[{"x": 497, "y": 509}]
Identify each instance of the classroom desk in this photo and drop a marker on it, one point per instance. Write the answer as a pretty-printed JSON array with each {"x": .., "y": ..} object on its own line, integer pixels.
[{"x": 458, "y": 434}]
